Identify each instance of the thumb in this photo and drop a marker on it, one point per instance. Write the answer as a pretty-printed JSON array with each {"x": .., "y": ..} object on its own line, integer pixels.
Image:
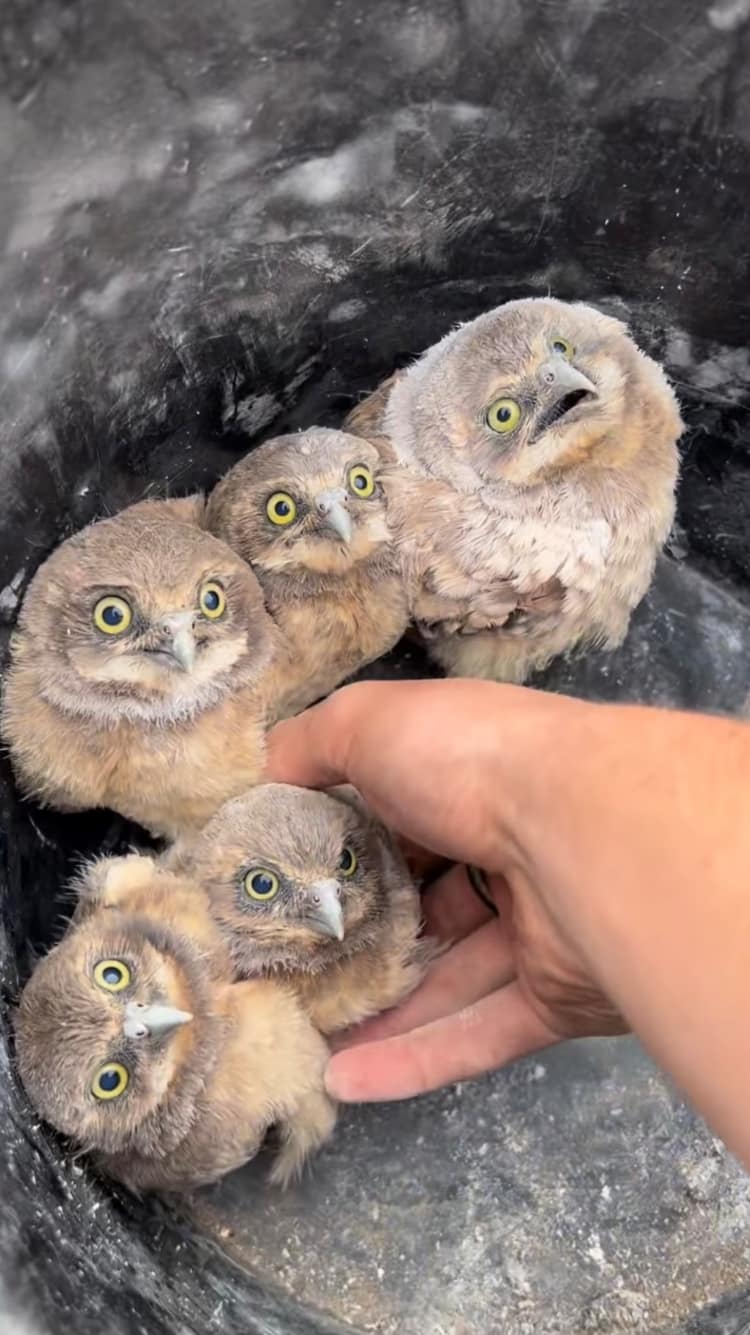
[{"x": 312, "y": 750}]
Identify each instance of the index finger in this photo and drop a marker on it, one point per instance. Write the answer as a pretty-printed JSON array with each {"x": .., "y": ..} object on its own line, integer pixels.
[
  {"x": 423, "y": 754},
  {"x": 311, "y": 749}
]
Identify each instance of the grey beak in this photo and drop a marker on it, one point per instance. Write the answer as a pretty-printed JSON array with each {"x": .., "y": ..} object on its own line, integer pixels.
[
  {"x": 179, "y": 625},
  {"x": 559, "y": 373},
  {"x": 326, "y": 914},
  {"x": 142, "y": 1021},
  {"x": 331, "y": 505}
]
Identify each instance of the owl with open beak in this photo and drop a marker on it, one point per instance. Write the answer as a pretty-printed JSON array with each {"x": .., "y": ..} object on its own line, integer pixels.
[{"x": 536, "y": 464}]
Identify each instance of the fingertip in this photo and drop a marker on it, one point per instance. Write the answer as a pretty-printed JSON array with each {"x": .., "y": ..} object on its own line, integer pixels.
[
  {"x": 341, "y": 1082},
  {"x": 297, "y": 750},
  {"x": 314, "y": 748},
  {"x": 380, "y": 1071}
]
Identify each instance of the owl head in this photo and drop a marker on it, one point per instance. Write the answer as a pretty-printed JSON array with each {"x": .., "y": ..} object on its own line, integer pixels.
[
  {"x": 311, "y": 502},
  {"x": 141, "y": 885},
  {"x": 114, "y": 1034},
  {"x": 527, "y": 390},
  {"x": 296, "y": 879},
  {"x": 144, "y": 616}
]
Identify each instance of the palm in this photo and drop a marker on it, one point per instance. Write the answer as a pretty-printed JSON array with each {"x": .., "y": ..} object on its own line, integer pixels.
[{"x": 506, "y": 986}]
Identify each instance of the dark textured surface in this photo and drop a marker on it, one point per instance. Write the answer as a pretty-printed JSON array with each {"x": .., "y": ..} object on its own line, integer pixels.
[{"x": 224, "y": 219}]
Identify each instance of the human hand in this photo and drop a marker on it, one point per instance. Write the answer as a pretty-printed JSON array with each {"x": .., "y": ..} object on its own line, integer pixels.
[{"x": 425, "y": 756}]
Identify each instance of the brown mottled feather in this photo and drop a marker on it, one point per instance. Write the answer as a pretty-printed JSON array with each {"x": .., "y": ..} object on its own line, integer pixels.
[{"x": 200, "y": 1097}]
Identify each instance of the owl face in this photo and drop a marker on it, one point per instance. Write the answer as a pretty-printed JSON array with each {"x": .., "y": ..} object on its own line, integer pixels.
[
  {"x": 312, "y": 502},
  {"x": 294, "y": 877},
  {"x": 526, "y": 389},
  {"x": 114, "y": 1035},
  {"x": 146, "y": 617}
]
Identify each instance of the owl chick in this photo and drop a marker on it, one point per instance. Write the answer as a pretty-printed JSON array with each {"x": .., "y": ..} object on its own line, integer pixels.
[
  {"x": 141, "y": 673},
  {"x": 128, "y": 1043},
  {"x": 309, "y": 512},
  {"x": 538, "y": 462},
  {"x": 307, "y": 886}
]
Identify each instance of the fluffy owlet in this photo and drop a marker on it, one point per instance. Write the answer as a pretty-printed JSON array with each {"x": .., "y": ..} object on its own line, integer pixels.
[
  {"x": 309, "y": 512},
  {"x": 537, "y": 463},
  {"x": 307, "y": 886},
  {"x": 131, "y": 1042},
  {"x": 141, "y": 673}
]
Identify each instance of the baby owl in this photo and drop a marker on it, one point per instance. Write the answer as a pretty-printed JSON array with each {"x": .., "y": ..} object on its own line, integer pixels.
[
  {"x": 131, "y": 1042},
  {"x": 537, "y": 462},
  {"x": 308, "y": 511},
  {"x": 141, "y": 673},
  {"x": 306, "y": 886}
]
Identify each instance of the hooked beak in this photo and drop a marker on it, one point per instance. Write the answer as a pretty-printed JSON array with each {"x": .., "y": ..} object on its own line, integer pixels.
[
  {"x": 326, "y": 914},
  {"x": 564, "y": 388},
  {"x": 331, "y": 506},
  {"x": 559, "y": 373},
  {"x": 178, "y": 626},
  {"x": 142, "y": 1021}
]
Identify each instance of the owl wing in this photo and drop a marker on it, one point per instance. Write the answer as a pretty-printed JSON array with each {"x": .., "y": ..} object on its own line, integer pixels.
[
  {"x": 466, "y": 574},
  {"x": 367, "y": 418},
  {"x": 501, "y": 604}
]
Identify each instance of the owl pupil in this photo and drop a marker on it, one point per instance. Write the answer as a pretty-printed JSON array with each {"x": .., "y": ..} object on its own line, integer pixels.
[
  {"x": 211, "y": 600},
  {"x": 112, "y": 976},
  {"x": 282, "y": 508},
  {"x": 109, "y": 1081},
  {"x": 504, "y": 415},
  {"x": 360, "y": 482},
  {"x": 346, "y": 860},
  {"x": 112, "y": 616},
  {"x": 262, "y": 885},
  {"x": 558, "y": 346}
]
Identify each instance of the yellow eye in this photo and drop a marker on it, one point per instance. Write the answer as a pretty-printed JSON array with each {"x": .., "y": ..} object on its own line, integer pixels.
[
  {"x": 281, "y": 508},
  {"x": 503, "y": 415},
  {"x": 261, "y": 884},
  {"x": 564, "y": 348},
  {"x": 213, "y": 601},
  {"x": 361, "y": 481},
  {"x": 348, "y": 862},
  {"x": 112, "y": 615},
  {"x": 112, "y": 975},
  {"x": 110, "y": 1081}
]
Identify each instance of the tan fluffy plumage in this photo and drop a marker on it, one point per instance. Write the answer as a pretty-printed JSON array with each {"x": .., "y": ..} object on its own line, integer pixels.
[
  {"x": 309, "y": 512},
  {"x": 142, "y": 886},
  {"x": 307, "y": 886},
  {"x": 162, "y": 716},
  {"x": 537, "y": 463},
  {"x": 131, "y": 1042}
]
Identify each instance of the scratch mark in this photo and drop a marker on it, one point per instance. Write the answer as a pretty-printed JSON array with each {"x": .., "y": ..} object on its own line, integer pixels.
[
  {"x": 677, "y": 45},
  {"x": 29, "y": 351},
  {"x": 548, "y": 192}
]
